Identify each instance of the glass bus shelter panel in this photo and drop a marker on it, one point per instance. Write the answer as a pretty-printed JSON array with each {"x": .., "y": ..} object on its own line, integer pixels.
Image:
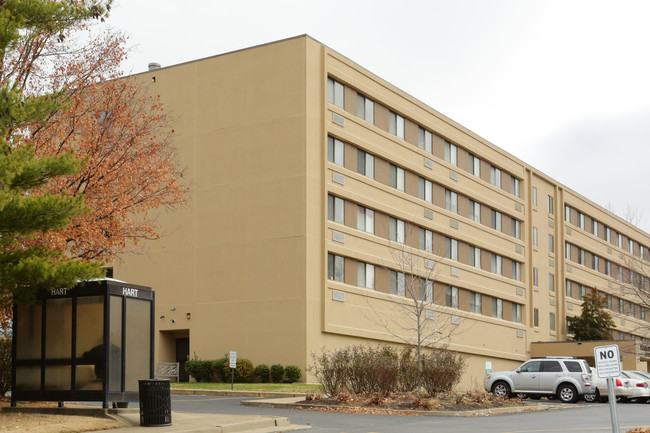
[
  {"x": 89, "y": 350},
  {"x": 115, "y": 339},
  {"x": 138, "y": 347}
]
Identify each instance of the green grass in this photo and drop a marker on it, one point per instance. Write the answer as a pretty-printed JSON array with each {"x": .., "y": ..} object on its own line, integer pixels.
[{"x": 271, "y": 387}]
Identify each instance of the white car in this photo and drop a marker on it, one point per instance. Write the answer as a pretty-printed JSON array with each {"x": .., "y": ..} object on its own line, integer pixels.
[{"x": 629, "y": 386}]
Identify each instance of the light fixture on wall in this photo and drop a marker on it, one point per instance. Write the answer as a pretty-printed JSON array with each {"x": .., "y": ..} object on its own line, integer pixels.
[
  {"x": 188, "y": 316},
  {"x": 162, "y": 317},
  {"x": 173, "y": 320},
  {"x": 173, "y": 308}
]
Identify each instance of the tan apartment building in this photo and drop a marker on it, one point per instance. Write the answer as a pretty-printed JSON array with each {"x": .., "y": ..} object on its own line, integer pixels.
[{"x": 308, "y": 172}]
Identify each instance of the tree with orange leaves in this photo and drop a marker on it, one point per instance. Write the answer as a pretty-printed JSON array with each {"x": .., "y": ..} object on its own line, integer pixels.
[{"x": 110, "y": 127}]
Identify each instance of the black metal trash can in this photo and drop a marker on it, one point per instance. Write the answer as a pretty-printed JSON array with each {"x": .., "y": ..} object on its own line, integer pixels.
[{"x": 155, "y": 403}]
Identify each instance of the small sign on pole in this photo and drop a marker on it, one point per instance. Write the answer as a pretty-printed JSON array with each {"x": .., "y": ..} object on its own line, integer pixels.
[
  {"x": 608, "y": 365},
  {"x": 233, "y": 365}
]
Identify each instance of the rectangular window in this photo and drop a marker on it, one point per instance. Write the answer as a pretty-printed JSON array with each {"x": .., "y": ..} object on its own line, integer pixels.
[
  {"x": 425, "y": 189},
  {"x": 495, "y": 176},
  {"x": 608, "y": 268},
  {"x": 497, "y": 262},
  {"x": 365, "y": 275},
  {"x": 641, "y": 251},
  {"x": 594, "y": 227},
  {"x": 396, "y": 230},
  {"x": 365, "y": 108},
  {"x": 335, "y": 92},
  {"x": 534, "y": 196},
  {"x": 451, "y": 201},
  {"x": 581, "y": 256},
  {"x": 568, "y": 289},
  {"x": 365, "y": 164},
  {"x": 335, "y": 267},
  {"x": 551, "y": 244},
  {"x": 609, "y": 302},
  {"x": 608, "y": 234},
  {"x": 551, "y": 282},
  {"x": 516, "y": 229},
  {"x": 475, "y": 211},
  {"x": 335, "y": 151},
  {"x": 516, "y": 313},
  {"x": 567, "y": 251},
  {"x": 619, "y": 240},
  {"x": 535, "y": 317},
  {"x": 567, "y": 213},
  {"x": 516, "y": 271},
  {"x": 581, "y": 220},
  {"x": 365, "y": 219},
  {"x": 426, "y": 290},
  {"x": 426, "y": 240},
  {"x": 497, "y": 308},
  {"x": 619, "y": 273},
  {"x": 550, "y": 204},
  {"x": 475, "y": 256},
  {"x": 642, "y": 313},
  {"x": 535, "y": 277},
  {"x": 551, "y": 321},
  {"x": 630, "y": 246},
  {"x": 451, "y": 298},
  {"x": 396, "y": 177},
  {"x": 514, "y": 186},
  {"x": 582, "y": 291},
  {"x": 534, "y": 236},
  {"x": 396, "y": 124},
  {"x": 451, "y": 153},
  {"x": 335, "y": 209},
  {"x": 397, "y": 283},
  {"x": 425, "y": 139},
  {"x": 495, "y": 220},
  {"x": 621, "y": 306},
  {"x": 475, "y": 302},
  {"x": 595, "y": 265},
  {"x": 451, "y": 249},
  {"x": 474, "y": 165}
]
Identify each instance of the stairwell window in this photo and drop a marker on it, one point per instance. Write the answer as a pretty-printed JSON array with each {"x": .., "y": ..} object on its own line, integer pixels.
[{"x": 335, "y": 92}]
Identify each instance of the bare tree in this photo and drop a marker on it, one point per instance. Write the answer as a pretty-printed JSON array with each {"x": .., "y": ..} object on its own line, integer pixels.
[
  {"x": 633, "y": 215},
  {"x": 421, "y": 318}
]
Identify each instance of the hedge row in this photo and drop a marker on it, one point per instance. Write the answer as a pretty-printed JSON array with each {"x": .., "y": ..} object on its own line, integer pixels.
[
  {"x": 383, "y": 370},
  {"x": 219, "y": 371}
]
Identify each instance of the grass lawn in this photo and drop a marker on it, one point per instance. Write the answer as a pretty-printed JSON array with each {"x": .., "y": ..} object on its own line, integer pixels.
[{"x": 271, "y": 387}]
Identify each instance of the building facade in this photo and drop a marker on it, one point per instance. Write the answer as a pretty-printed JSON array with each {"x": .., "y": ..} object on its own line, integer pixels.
[{"x": 308, "y": 173}]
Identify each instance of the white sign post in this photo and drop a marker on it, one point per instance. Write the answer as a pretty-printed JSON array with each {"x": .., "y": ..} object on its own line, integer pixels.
[
  {"x": 608, "y": 365},
  {"x": 233, "y": 365}
]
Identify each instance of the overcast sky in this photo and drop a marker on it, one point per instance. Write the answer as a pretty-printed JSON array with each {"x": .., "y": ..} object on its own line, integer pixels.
[{"x": 536, "y": 78}]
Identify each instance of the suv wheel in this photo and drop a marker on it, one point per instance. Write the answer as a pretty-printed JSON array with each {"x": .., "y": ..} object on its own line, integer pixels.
[
  {"x": 501, "y": 389},
  {"x": 567, "y": 393}
]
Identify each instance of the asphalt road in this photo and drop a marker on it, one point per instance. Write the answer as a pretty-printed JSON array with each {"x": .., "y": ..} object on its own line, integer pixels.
[{"x": 580, "y": 417}]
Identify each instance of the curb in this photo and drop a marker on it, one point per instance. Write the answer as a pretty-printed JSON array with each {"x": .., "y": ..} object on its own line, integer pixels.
[
  {"x": 285, "y": 403},
  {"x": 229, "y": 393}
]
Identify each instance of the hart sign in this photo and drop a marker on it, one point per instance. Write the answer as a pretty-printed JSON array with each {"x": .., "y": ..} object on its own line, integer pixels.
[{"x": 608, "y": 363}]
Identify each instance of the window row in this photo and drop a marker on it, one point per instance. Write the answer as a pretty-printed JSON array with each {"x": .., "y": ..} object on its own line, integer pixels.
[
  {"x": 365, "y": 275},
  {"x": 352, "y": 158},
  {"x": 385, "y": 226},
  {"x": 396, "y": 124},
  {"x": 591, "y": 225}
]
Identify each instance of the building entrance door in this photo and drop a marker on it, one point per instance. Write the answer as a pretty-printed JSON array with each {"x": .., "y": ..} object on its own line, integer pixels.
[{"x": 182, "y": 355}]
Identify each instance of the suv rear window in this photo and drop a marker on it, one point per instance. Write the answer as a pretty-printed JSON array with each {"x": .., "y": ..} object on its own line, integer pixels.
[
  {"x": 573, "y": 366},
  {"x": 552, "y": 366}
]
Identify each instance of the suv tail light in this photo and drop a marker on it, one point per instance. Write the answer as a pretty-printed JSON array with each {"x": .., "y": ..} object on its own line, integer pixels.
[
  {"x": 642, "y": 385},
  {"x": 586, "y": 378}
]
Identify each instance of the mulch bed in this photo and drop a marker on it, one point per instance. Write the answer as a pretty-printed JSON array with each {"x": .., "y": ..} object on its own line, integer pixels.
[{"x": 409, "y": 404}]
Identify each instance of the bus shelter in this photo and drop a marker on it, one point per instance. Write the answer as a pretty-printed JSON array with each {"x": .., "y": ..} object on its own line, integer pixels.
[{"x": 89, "y": 343}]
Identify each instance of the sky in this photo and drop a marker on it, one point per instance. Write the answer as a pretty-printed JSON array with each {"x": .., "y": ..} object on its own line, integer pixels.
[{"x": 562, "y": 85}]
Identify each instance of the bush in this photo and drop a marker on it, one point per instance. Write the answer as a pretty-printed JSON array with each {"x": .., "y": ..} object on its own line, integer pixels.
[
  {"x": 293, "y": 373},
  {"x": 244, "y": 373},
  {"x": 201, "y": 371},
  {"x": 441, "y": 370},
  {"x": 277, "y": 373},
  {"x": 384, "y": 370},
  {"x": 331, "y": 370},
  {"x": 5, "y": 365},
  {"x": 219, "y": 369},
  {"x": 262, "y": 373},
  {"x": 409, "y": 376}
]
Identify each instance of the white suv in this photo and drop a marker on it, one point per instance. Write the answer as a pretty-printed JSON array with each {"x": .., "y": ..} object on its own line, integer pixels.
[{"x": 567, "y": 378}]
